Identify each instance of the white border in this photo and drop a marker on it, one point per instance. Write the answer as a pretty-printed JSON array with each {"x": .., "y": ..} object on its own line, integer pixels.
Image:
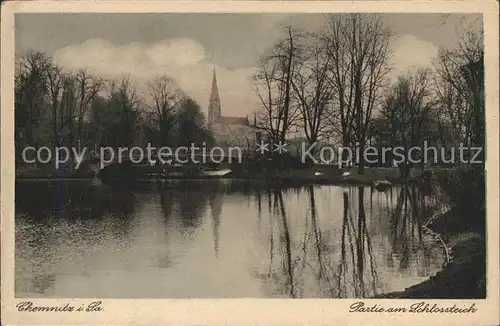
[{"x": 246, "y": 311}]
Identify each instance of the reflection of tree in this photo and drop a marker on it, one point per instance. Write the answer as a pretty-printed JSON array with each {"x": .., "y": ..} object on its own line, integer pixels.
[
  {"x": 188, "y": 201},
  {"x": 271, "y": 236},
  {"x": 405, "y": 222},
  {"x": 317, "y": 232},
  {"x": 359, "y": 244},
  {"x": 215, "y": 202},
  {"x": 76, "y": 200},
  {"x": 259, "y": 205},
  {"x": 192, "y": 200},
  {"x": 167, "y": 200},
  {"x": 122, "y": 203},
  {"x": 323, "y": 254},
  {"x": 364, "y": 235},
  {"x": 71, "y": 217},
  {"x": 406, "y": 214},
  {"x": 406, "y": 218},
  {"x": 352, "y": 274},
  {"x": 342, "y": 269},
  {"x": 285, "y": 241},
  {"x": 269, "y": 201}
]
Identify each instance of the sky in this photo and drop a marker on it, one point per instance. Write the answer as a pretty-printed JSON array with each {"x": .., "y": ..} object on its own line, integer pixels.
[{"x": 187, "y": 46}]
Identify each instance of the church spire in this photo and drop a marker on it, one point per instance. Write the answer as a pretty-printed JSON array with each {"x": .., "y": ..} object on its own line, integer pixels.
[
  {"x": 214, "y": 106},
  {"x": 214, "y": 96}
]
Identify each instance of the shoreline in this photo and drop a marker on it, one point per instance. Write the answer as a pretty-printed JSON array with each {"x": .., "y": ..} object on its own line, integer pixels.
[
  {"x": 465, "y": 251},
  {"x": 317, "y": 175},
  {"x": 262, "y": 181}
]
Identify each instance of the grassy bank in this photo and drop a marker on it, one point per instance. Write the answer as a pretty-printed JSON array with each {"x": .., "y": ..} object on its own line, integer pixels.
[
  {"x": 463, "y": 231},
  {"x": 463, "y": 277}
]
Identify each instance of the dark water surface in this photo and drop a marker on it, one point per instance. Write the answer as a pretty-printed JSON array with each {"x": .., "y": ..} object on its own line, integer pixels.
[{"x": 214, "y": 239}]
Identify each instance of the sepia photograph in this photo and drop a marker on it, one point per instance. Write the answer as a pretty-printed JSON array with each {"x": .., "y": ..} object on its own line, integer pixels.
[
  {"x": 277, "y": 222},
  {"x": 247, "y": 155}
]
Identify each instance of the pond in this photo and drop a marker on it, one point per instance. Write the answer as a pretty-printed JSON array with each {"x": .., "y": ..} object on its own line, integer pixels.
[{"x": 220, "y": 239}]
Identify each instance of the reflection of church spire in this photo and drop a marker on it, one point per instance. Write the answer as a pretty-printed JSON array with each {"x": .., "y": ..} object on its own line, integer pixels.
[
  {"x": 216, "y": 208},
  {"x": 214, "y": 107}
]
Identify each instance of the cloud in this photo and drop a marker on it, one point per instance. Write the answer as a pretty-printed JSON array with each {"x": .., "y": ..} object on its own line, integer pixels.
[
  {"x": 409, "y": 52},
  {"x": 186, "y": 61},
  {"x": 182, "y": 59}
]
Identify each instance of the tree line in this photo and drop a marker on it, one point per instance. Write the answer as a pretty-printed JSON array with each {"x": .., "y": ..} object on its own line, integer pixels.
[
  {"x": 332, "y": 85},
  {"x": 55, "y": 107},
  {"x": 335, "y": 85}
]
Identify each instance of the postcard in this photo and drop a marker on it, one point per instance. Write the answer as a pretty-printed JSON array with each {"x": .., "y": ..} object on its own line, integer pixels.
[{"x": 249, "y": 163}]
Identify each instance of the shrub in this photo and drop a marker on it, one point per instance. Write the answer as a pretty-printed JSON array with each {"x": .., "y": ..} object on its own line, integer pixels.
[{"x": 466, "y": 191}]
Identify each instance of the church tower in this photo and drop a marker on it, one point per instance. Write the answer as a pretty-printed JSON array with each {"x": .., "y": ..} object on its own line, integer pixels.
[{"x": 214, "y": 108}]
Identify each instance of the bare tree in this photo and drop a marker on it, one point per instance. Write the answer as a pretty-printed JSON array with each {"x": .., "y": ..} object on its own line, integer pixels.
[
  {"x": 87, "y": 88},
  {"x": 359, "y": 48},
  {"x": 68, "y": 106},
  {"x": 273, "y": 84},
  {"x": 460, "y": 88},
  {"x": 313, "y": 89},
  {"x": 30, "y": 91},
  {"x": 69, "y": 98},
  {"x": 125, "y": 105},
  {"x": 165, "y": 98},
  {"x": 406, "y": 111},
  {"x": 55, "y": 88}
]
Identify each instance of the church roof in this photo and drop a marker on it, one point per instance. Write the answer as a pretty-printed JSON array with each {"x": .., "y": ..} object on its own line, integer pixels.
[{"x": 234, "y": 121}]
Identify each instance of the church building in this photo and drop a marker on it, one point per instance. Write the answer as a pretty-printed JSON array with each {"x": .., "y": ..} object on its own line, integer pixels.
[{"x": 228, "y": 131}]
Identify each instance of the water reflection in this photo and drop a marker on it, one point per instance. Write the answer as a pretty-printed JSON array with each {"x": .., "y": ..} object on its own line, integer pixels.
[
  {"x": 314, "y": 266},
  {"x": 217, "y": 239},
  {"x": 215, "y": 201},
  {"x": 346, "y": 265}
]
